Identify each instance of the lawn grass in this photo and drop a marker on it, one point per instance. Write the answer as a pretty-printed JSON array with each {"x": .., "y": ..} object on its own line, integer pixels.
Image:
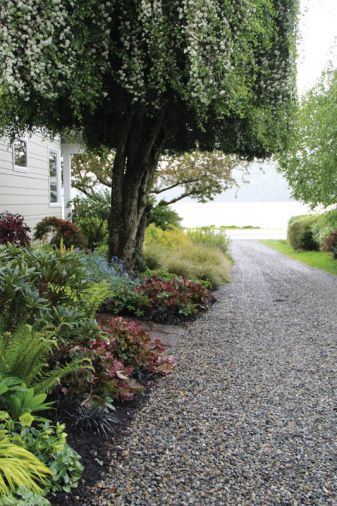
[{"x": 316, "y": 259}]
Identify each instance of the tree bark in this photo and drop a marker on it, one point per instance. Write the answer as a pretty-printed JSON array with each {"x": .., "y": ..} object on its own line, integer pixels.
[
  {"x": 139, "y": 262},
  {"x": 136, "y": 159}
]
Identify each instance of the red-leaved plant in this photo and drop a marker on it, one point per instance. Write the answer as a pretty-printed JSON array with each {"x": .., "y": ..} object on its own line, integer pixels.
[
  {"x": 13, "y": 229},
  {"x": 135, "y": 348},
  {"x": 181, "y": 296},
  {"x": 110, "y": 377},
  {"x": 59, "y": 229},
  {"x": 115, "y": 359}
]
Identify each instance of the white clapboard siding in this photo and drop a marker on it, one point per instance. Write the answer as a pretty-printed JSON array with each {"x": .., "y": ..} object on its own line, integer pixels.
[{"x": 27, "y": 192}]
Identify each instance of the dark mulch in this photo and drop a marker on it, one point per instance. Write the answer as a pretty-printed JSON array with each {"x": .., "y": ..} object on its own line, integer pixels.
[{"x": 96, "y": 451}]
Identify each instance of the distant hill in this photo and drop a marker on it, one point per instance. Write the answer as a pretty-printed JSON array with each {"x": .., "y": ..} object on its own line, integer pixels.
[{"x": 263, "y": 184}]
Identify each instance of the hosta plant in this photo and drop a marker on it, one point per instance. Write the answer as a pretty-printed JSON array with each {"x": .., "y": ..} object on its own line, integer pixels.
[{"x": 17, "y": 399}]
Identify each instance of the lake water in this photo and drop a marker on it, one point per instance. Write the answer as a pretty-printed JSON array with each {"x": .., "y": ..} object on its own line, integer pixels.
[{"x": 267, "y": 215}]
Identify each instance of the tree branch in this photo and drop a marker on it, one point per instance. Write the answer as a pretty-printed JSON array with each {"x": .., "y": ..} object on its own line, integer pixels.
[
  {"x": 176, "y": 199},
  {"x": 103, "y": 181},
  {"x": 180, "y": 183},
  {"x": 82, "y": 189}
]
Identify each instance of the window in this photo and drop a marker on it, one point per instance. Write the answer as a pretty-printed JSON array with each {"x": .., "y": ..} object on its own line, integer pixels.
[
  {"x": 20, "y": 154},
  {"x": 54, "y": 178}
]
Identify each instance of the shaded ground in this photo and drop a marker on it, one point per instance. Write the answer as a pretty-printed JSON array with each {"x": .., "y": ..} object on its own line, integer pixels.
[{"x": 249, "y": 416}]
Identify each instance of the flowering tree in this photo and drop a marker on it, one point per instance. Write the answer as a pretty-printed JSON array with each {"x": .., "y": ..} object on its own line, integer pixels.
[{"x": 144, "y": 76}]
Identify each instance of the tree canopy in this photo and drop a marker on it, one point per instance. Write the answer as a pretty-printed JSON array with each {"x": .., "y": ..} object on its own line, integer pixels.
[
  {"x": 144, "y": 76},
  {"x": 310, "y": 160},
  {"x": 199, "y": 175},
  {"x": 223, "y": 66}
]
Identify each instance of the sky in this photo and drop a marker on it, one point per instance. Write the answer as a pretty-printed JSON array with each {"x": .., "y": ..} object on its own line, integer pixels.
[{"x": 317, "y": 40}]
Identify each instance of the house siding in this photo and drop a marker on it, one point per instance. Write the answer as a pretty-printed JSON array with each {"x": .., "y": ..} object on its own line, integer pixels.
[{"x": 27, "y": 192}]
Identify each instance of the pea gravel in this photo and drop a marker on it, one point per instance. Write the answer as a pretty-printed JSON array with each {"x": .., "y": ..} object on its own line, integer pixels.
[{"x": 249, "y": 416}]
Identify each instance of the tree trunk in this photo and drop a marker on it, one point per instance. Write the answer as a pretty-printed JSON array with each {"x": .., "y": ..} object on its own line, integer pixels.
[
  {"x": 136, "y": 159},
  {"x": 139, "y": 253}
]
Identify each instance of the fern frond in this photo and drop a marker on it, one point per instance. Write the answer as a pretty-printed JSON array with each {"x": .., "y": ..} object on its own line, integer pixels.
[
  {"x": 50, "y": 380},
  {"x": 24, "y": 353}
]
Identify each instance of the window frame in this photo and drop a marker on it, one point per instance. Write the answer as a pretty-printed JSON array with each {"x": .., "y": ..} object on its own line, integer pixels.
[
  {"x": 19, "y": 168},
  {"x": 58, "y": 177}
]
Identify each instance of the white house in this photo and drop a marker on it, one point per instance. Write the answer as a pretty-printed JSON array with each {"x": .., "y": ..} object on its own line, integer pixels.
[{"x": 32, "y": 181}]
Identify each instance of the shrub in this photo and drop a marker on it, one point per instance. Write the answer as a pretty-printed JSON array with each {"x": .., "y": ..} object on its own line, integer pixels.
[
  {"x": 208, "y": 236},
  {"x": 329, "y": 244},
  {"x": 13, "y": 229},
  {"x": 32, "y": 281},
  {"x": 167, "y": 238},
  {"x": 300, "y": 234},
  {"x": 61, "y": 231},
  {"x": 164, "y": 217},
  {"x": 91, "y": 215},
  {"x": 324, "y": 226}
]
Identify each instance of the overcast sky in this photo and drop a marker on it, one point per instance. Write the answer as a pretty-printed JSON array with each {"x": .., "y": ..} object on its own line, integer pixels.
[{"x": 317, "y": 42}]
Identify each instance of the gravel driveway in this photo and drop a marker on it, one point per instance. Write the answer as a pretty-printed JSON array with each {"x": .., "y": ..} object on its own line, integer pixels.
[{"x": 249, "y": 416}]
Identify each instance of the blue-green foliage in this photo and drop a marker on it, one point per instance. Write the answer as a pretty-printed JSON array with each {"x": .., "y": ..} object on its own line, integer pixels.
[{"x": 97, "y": 269}]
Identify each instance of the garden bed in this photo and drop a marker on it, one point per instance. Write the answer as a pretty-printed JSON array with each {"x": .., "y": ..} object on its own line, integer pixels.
[
  {"x": 87, "y": 372},
  {"x": 96, "y": 452}
]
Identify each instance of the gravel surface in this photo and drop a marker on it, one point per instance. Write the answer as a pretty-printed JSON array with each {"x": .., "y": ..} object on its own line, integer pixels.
[{"x": 249, "y": 416}]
